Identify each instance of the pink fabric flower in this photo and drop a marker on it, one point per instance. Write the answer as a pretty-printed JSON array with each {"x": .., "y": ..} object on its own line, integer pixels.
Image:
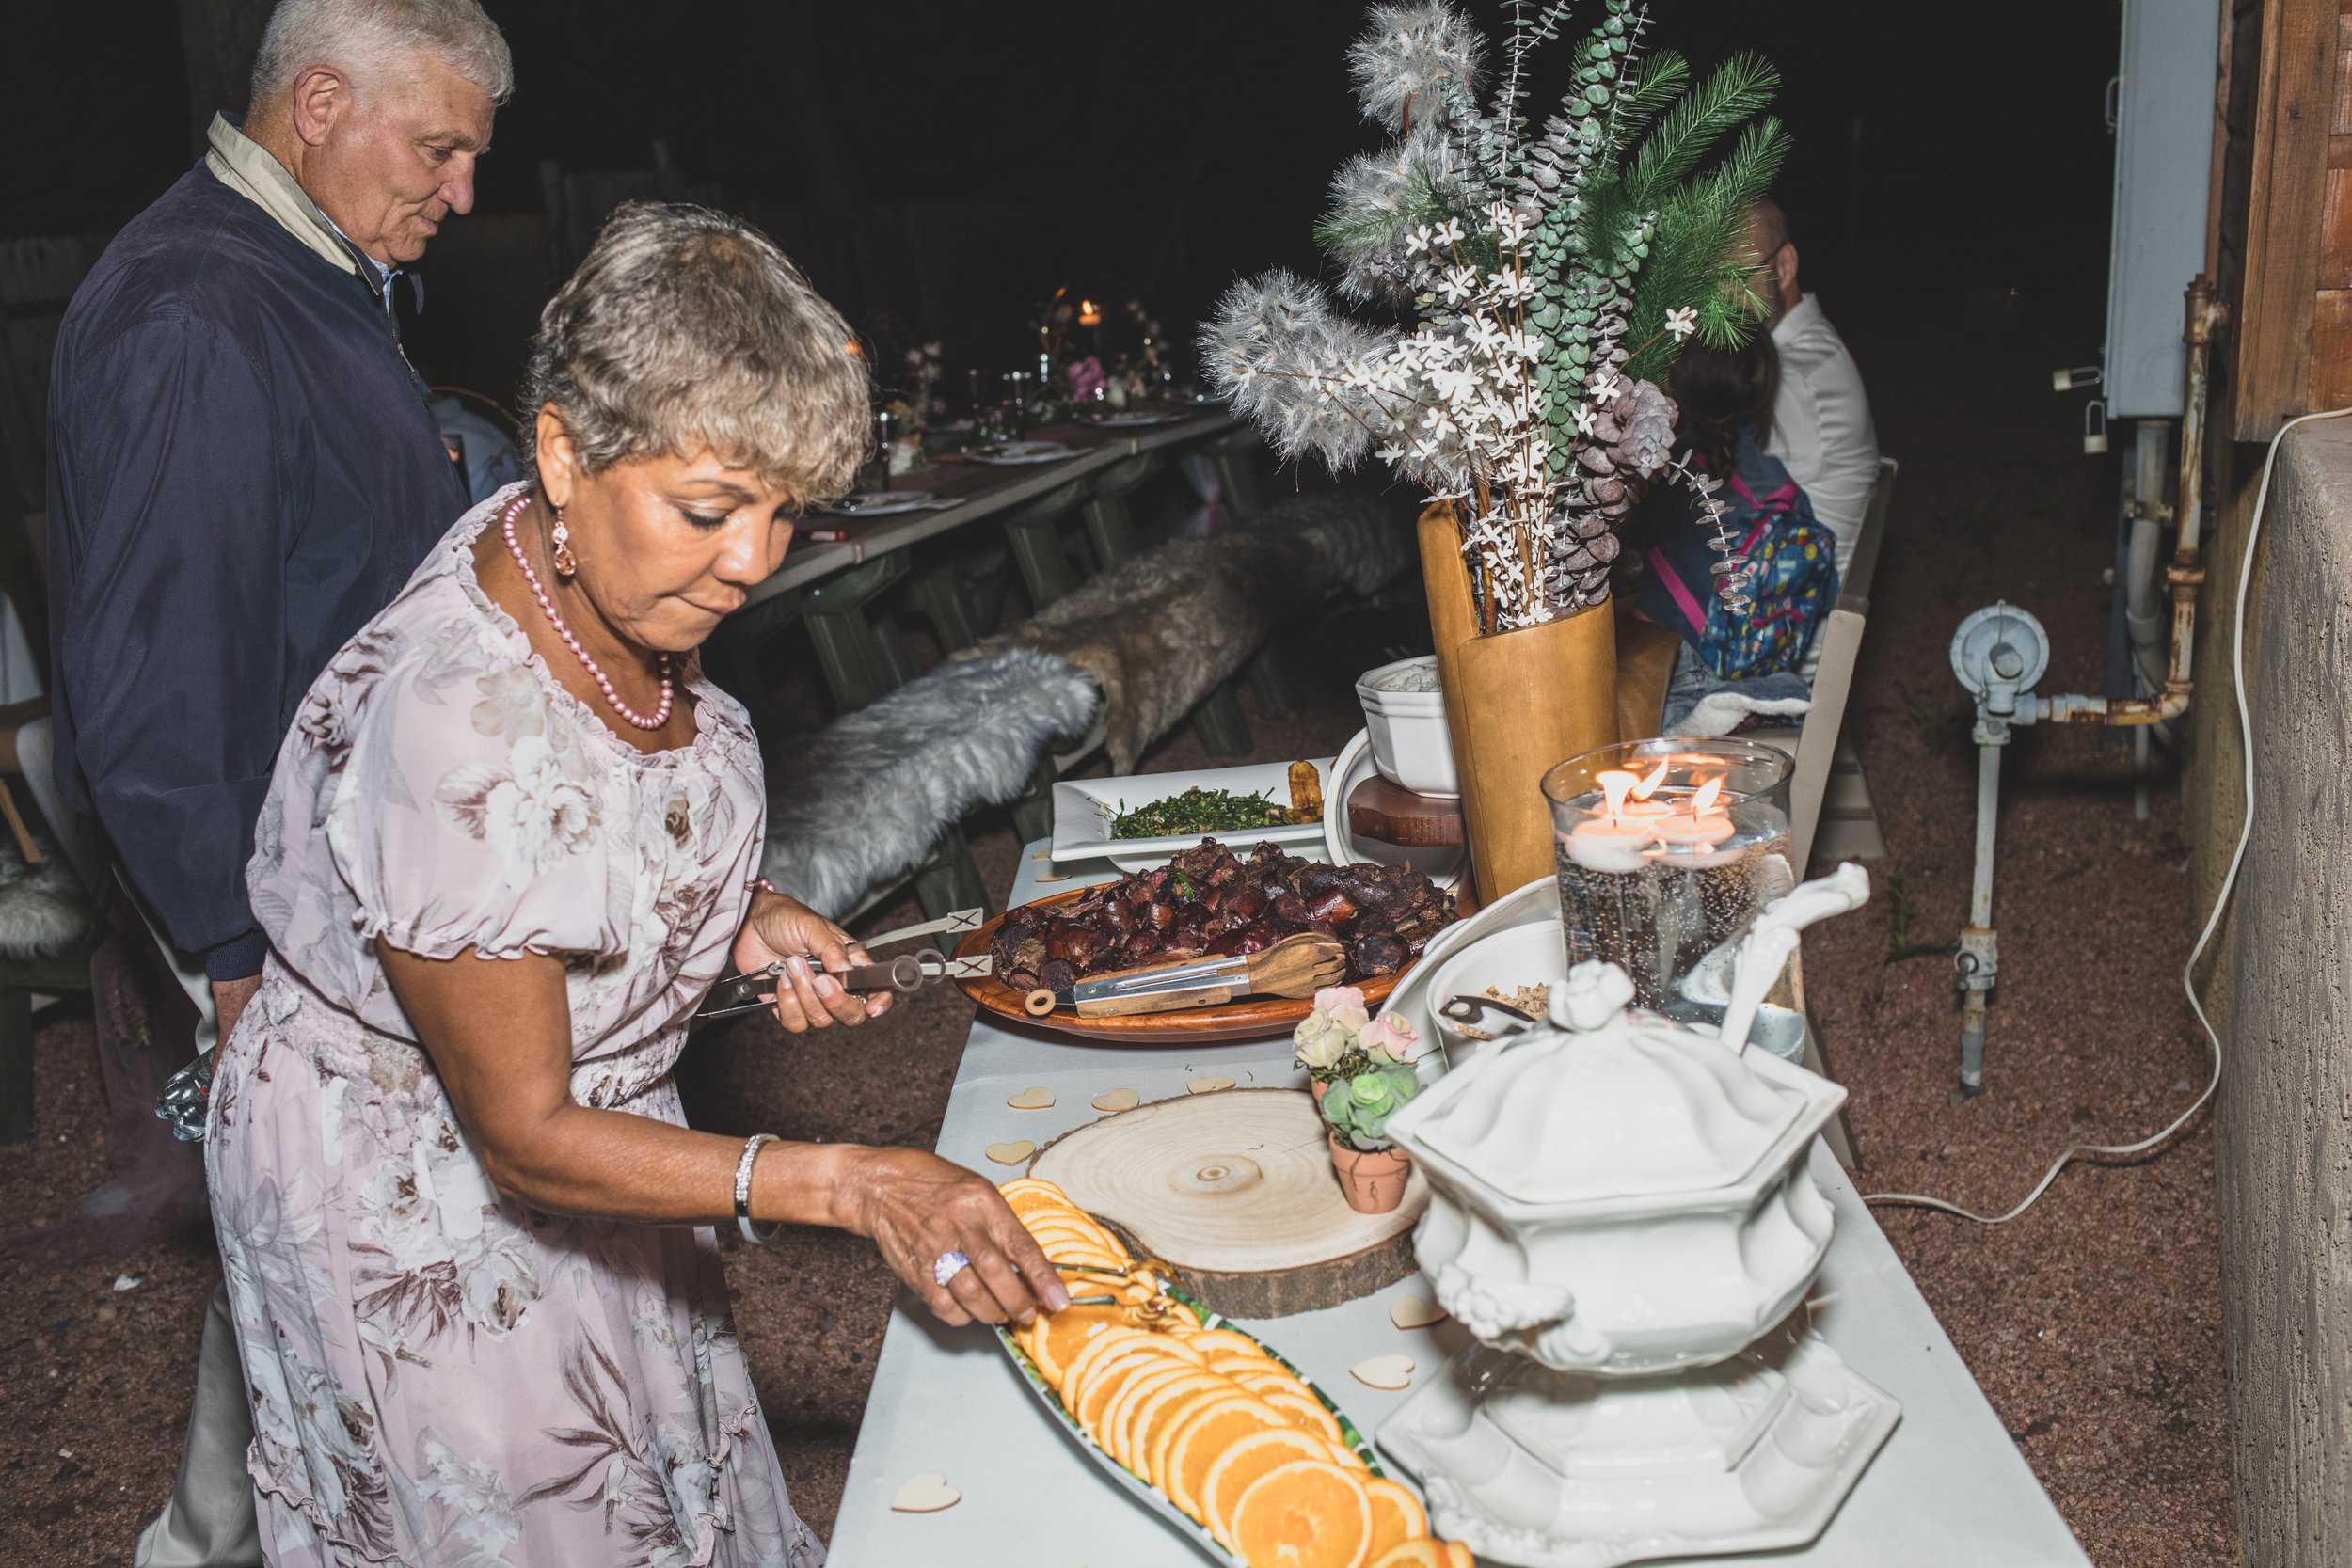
[
  {"x": 1343, "y": 1005},
  {"x": 1086, "y": 378},
  {"x": 1390, "y": 1037}
]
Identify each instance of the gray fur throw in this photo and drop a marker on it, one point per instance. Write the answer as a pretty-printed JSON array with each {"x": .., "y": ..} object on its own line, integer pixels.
[
  {"x": 865, "y": 798},
  {"x": 1162, "y": 632},
  {"x": 43, "y": 910}
]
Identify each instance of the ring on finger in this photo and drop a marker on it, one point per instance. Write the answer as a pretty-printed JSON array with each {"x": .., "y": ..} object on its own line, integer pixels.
[{"x": 947, "y": 1266}]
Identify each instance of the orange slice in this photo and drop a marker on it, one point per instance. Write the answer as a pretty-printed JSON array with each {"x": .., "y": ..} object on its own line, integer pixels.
[
  {"x": 1104, "y": 1382},
  {"x": 1242, "y": 1464},
  {"x": 1061, "y": 1229},
  {"x": 1112, "y": 1420},
  {"x": 1306, "y": 1412},
  {"x": 1081, "y": 1366},
  {"x": 1266, "y": 1377},
  {"x": 1309, "y": 1513},
  {"x": 1342, "y": 1454},
  {"x": 1422, "y": 1552},
  {"x": 1056, "y": 1338},
  {"x": 1218, "y": 1343},
  {"x": 1396, "y": 1514},
  {"x": 1131, "y": 1433},
  {"x": 1207, "y": 1435},
  {"x": 1169, "y": 1421}
]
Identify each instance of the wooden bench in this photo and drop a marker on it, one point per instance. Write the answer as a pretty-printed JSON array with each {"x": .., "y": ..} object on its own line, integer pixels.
[{"x": 1830, "y": 812}]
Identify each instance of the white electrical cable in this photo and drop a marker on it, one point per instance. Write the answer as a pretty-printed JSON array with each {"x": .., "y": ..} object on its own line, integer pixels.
[{"x": 2221, "y": 898}]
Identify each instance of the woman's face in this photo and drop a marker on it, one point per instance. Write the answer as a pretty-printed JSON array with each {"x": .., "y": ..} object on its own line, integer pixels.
[{"x": 667, "y": 546}]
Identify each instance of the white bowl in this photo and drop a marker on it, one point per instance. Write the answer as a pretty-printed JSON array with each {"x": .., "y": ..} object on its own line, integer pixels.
[
  {"x": 1410, "y": 744},
  {"x": 1530, "y": 955}
]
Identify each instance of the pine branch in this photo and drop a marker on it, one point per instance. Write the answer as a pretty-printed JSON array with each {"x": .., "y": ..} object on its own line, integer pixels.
[
  {"x": 1742, "y": 85},
  {"x": 1699, "y": 258}
]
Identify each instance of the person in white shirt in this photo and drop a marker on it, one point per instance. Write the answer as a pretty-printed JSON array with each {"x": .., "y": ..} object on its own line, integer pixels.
[{"x": 1821, "y": 419}]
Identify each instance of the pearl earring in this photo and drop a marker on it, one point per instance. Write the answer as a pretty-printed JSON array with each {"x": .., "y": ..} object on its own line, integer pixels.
[{"x": 560, "y": 538}]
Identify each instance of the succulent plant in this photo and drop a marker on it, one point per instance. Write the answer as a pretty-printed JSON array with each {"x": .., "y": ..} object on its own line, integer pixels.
[{"x": 1357, "y": 1109}]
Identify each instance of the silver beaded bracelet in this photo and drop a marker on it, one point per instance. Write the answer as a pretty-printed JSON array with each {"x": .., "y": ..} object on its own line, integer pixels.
[{"x": 755, "y": 1233}]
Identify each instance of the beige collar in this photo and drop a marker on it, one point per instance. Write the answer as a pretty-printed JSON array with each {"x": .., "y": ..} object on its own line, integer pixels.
[{"x": 246, "y": 166}]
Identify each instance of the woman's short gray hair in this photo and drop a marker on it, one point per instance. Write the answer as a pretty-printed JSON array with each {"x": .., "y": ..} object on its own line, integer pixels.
[
  {"x": 363, "y": 37},
  {"x": 685, "y": 329}
]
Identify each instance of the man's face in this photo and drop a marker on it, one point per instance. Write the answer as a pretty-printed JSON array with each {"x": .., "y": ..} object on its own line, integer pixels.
[
  {"x": 398, "y": 156},
  {"x": 1775, "y": 278}
]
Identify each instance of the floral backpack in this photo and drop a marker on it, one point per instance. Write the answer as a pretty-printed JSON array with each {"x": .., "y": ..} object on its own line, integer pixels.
[{"x": 1793, "y": 583}]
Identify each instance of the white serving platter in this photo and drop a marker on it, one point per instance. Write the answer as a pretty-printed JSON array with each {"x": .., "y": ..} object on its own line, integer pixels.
[{"x": 1083, "y": 809}]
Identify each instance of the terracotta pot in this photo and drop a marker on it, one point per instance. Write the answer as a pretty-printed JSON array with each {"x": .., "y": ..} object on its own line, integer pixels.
[
  {"x": 1372, "y": 1183},
  {"x": 1516, "y": 703},
  {"x": 1320, "y": 1087}
]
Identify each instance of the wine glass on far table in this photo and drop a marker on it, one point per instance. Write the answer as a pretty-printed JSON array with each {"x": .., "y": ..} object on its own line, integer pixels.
[
  {"x": 1019, "y": 385},
  {"x": 887, "y": 425}
]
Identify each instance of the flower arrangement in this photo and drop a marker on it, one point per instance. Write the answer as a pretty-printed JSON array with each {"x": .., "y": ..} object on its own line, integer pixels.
[
  {"x": 1362, "y": 1069},
  {"x": 1339, "y": 1038},
  {"x": 1548, "y": 275}
]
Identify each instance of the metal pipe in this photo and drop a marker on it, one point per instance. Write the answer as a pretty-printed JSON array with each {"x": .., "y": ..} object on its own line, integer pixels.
[
  {"x": 2142, "y": 614},
  {"x": 2185, "y": 572},
  {"x": 1979, "y": 959}
]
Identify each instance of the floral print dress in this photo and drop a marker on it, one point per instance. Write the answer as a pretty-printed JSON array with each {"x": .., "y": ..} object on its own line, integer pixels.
[{"x": 439, "y": 1377}]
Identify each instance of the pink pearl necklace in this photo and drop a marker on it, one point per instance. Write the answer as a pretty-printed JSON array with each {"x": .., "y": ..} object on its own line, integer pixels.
[{"x": 660, "y": 716}]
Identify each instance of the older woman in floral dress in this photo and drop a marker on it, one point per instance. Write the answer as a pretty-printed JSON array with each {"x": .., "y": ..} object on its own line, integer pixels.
[{"x": 508, "y": 848}]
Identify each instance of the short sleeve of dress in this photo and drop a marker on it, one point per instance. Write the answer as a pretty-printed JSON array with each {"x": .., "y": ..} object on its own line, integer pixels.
[{"x": 467, "y": 812}]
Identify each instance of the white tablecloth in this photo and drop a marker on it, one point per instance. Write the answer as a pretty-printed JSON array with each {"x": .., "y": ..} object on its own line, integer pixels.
[{"x": 1950, "y": 1488}]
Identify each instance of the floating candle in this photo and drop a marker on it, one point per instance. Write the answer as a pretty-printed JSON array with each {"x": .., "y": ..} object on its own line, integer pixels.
[{"x": 1699, "y": 826}]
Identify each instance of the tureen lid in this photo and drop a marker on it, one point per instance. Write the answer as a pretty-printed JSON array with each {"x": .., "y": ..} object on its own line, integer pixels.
[{"x": 1609, "y": 1105}]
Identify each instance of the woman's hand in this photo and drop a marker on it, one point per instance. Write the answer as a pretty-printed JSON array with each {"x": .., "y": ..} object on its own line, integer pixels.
[
  {"x": 784, "y": 929},
  {"x": 916, "y": 1206}
]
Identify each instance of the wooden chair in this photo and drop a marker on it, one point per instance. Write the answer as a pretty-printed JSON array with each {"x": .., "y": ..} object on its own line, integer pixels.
[{"x": 1830, "y": 814}]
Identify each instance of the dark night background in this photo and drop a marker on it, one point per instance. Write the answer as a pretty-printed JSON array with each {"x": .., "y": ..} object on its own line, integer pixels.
[{"x": 942, "y": 168}]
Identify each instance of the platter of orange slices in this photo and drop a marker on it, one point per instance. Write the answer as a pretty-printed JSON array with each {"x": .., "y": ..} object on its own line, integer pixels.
[{"x": 1202, "y": 1421}]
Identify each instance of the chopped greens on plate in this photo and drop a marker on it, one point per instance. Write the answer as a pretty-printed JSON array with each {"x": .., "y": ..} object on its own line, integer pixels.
[{"x": 1201, "y": 811}]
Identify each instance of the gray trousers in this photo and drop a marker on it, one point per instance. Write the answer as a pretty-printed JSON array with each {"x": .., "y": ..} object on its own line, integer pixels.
[{"x": 209, "y": 1522}]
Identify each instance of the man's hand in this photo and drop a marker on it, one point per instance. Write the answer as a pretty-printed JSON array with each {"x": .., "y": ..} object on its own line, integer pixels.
[{"x": 229, "y": 1000}]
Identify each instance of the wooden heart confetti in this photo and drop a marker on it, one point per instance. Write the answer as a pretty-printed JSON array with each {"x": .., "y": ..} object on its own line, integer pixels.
[
  {"x": 1036, "y": 1099},
  {"x": 1415, "y": 1312},
  {"x": 924, "y": 1493},
  {"x": 1010, "y": 1154},
  {"x": 1384, "y": 1371},
  {"x": 1208, "y": 1085},
  {"x": 1118, "y": 1099}
]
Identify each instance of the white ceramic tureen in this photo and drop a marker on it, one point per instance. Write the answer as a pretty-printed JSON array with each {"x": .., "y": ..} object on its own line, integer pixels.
[{"x": 1624, "y": 1206}]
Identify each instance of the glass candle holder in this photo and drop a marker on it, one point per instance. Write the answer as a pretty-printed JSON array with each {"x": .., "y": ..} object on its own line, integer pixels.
[{"x": 1666, "y": 848}]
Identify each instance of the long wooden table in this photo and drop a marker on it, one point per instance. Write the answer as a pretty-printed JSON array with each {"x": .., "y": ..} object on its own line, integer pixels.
[
  {"x": 987, "y": 492},
  {"x": 1950, "y": 1490}
]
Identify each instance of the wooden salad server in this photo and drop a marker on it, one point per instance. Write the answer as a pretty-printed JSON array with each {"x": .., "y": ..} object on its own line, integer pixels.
[{"x": 1299, "y": 965}]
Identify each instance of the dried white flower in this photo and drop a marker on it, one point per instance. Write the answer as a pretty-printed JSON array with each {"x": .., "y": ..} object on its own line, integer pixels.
[
  {"x": 1682, "y": 323},
  {"x": 1407, "y": 55}
]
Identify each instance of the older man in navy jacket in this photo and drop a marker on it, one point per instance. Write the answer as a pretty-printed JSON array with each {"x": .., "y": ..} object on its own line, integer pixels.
[{"x": 242, "y": 471}]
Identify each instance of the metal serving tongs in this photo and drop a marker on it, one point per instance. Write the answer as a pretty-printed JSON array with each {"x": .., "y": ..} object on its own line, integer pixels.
[{"x": 907, "y": 971}]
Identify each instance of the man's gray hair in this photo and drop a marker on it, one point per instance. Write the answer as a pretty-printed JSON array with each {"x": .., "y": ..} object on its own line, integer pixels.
[
  {"x": 685, "y": 329},
  {"x": 364, "y": 39}
]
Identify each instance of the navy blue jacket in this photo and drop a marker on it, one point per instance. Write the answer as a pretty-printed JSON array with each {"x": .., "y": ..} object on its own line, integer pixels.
[{"x": 242, "y": 473}]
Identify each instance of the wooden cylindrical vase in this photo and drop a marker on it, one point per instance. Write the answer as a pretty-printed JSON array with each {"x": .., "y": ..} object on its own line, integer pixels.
[{"x": 1516, "y": 703}]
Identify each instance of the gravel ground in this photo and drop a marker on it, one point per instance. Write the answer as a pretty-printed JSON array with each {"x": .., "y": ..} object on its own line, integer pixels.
[{"x": 2092, "y": 1321}]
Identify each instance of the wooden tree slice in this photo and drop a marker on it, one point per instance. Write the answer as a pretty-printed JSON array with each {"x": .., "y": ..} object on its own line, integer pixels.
[{"x": 1236, "y": 1191}]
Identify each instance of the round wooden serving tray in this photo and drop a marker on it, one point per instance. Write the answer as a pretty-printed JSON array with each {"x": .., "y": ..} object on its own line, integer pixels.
[
  {"x": 1234, "y": 1191},
  {"x": 1248, "y": 1018}
]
